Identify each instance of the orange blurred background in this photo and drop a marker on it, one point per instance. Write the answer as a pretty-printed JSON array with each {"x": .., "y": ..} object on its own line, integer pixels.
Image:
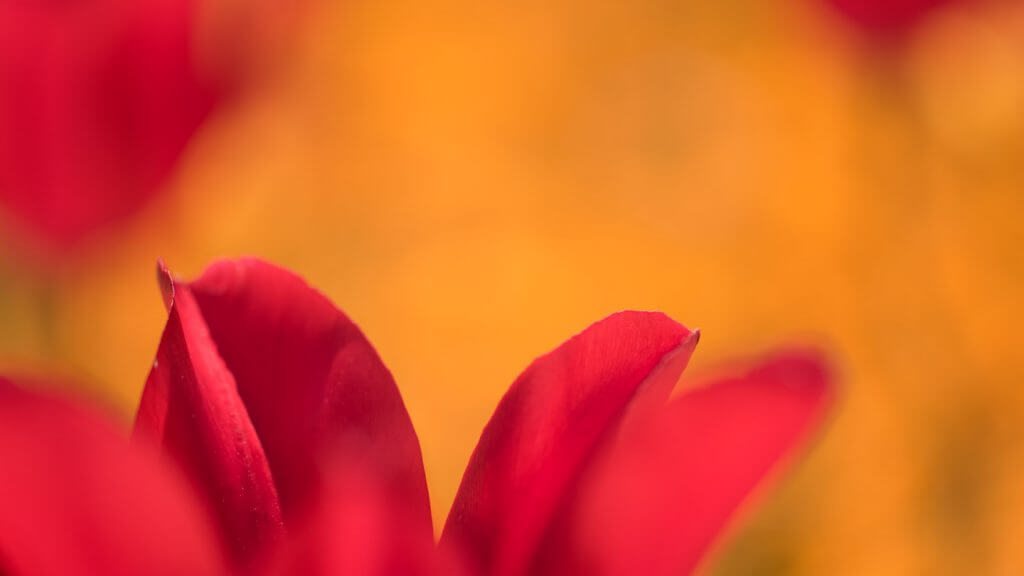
[{"x": 473, "y": 183}]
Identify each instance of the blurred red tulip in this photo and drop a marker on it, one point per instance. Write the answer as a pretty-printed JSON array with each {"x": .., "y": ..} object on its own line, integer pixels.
[
  {"x": 99, "y": 98},
  {"x": 296, "y": 439},
  {"x": 885, "y": 16},
  {"x": 584, "y": 469},
  {"x": 79, "y": 499}
]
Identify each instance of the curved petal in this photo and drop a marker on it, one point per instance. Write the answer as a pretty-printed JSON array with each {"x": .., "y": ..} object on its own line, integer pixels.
[
  {"x": 309, "y": 380},
  {"x": 547, "y": 427},
  {"x": 191, "y": 408},
  {"x": 654, "y": 502},
  {"x": 78, "y": 499},
  {"x": 99, "y": 99}
]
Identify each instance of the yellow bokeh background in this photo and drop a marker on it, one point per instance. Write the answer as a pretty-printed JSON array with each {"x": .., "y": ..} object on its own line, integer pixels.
[{"x": 473, "y": 183}]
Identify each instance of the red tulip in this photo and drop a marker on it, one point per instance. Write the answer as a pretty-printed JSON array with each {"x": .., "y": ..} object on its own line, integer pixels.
[
  {"x": 77, "y": 499},
  {"x": 298, "y": 448},
  {"x": 99, "y": 98},
  {"x": 258, "y": 381},
  {"x": 885, "y": 16}
]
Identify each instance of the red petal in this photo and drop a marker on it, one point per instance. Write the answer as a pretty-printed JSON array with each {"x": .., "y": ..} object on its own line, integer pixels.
[
  {"x": 99, "y": 98},
  {"x": 655, "y": 501},
  {"x": 77, "y": 499},
  {"x": 548, "y": 425},
  {"x": 309, "y": 380},
  {"x": 191, "y": 407}
]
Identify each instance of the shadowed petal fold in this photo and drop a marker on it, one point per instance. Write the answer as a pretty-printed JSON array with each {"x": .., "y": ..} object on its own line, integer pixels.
[
  {"x": 548, "y": 426},
  {"x": 191, "y": 408},
  {"x": 309, "y": 379},
  {"x": 76, "y": 498},
  {"x": 656, "y": 500}
]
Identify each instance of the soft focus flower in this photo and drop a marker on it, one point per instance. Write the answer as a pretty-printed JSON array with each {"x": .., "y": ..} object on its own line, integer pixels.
[
  {"x": 77, "y": 499},
  {"x": 99, "y": 98},
  {"x": 885, "y": 16},
  {"x": 294, "y": 437}
]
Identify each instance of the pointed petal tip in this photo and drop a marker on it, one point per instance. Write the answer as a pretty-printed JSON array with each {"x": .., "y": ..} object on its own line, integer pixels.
[{"x": 165, "y": 280}]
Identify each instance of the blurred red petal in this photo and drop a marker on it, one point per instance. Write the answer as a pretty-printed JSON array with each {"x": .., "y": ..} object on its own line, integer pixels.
[
  {"x": 655, "y": 502},
  {"x": 885, "y": 16},
  {"x": 547, "y": 427},
  {"x": 191, "y": 408},
  {"x": 76, "y": 498},
  {"x": 309, "y": 380},
  {"x": 355, "y": 528},
  {"x": 99, "y": 98}
]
